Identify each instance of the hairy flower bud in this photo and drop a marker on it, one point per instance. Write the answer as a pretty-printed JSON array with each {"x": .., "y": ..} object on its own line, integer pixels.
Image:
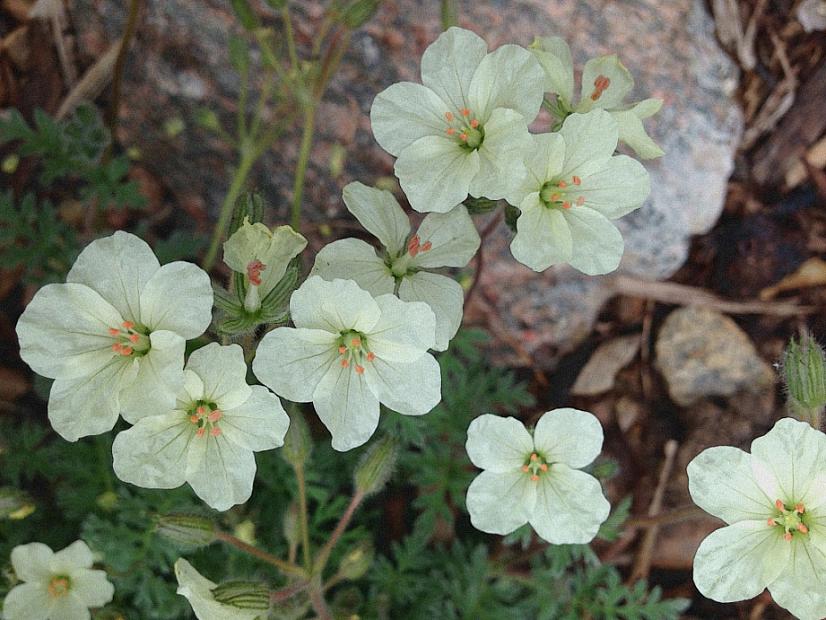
[
  {"x": 480, "y": 205},
  {"x": 804, "y": 371},
  {"x": 187, "y": 530},
  {"x": 243, "y": 594},
  {"x": 297, "y": 443},
  {"x": 357, "y": 561},
  {"x": 15, "y": 504},
  {"x": 376, "y": 466}
]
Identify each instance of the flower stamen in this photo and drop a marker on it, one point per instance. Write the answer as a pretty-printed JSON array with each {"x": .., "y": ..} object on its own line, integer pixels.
[
  {"x": 254, "y": 270},
  {"x": 601, "y": 84}
]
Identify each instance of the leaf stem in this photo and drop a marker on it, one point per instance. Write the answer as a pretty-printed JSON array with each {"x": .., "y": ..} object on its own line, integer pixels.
[
  {"x": 302, "y": 515},
  {"x": 301, "y": 166},
  {"x": 288, "y": 29},
  {"x": 284, "y": 567}
]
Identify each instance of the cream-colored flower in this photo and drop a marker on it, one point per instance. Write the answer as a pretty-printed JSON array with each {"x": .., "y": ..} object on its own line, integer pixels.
[{"x": 199, "y": 591}]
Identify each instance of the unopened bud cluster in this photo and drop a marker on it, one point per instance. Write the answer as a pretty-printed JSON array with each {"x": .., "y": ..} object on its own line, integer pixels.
[
  {"x": 243, "y": 595},
  {"x": 376, "y": 466},
  {"x": 804, "y": 371}
]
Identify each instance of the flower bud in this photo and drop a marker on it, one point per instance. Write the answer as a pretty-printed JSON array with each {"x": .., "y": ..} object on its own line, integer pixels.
[
  {"x": 297, "y": 442},
  {"x": 376, "y": 466},
  {"x": 187, "y": 530},
  {"x": 15, "y": 504},
  {"x": 243, "y": 595},
  {"x": 357, "y": 561},
  {"x": 292, "y": 532},
  {"x": 804, "y": 371},
  {"x": 480, "y": 205}
]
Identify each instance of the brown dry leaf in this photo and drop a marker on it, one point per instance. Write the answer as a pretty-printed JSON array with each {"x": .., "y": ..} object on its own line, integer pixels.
[
  {"x": 597, "y": 376},
  {"x": 810, "y": 273},
  {"x": 13, "y": 384},
  {"x": 816, "y": 157}
]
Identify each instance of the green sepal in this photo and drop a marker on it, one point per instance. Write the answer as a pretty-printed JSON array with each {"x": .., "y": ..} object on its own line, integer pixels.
[
  {"x": 511, "y": 215},
  {"x": 476, "y": 206},
  {"x": 225, "y": 301}
]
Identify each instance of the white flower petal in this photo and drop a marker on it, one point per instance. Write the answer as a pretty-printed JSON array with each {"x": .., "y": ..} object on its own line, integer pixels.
[
  {"x": 117, "y": 267},
  {"x": 220, "y": 472},
  {"x": 543, "y": 237},
  {"x": 590, "y": 139},
  {"x": 510, "y": 77},
  {"x": 335, "y": 306},
  {"x": 260, "y": 423},
  {"x": 499, "y": 503},
  {"x": 501, "y": 155},
  {"x": 404, "y": 332},
  {"x": 617, "y": 188},
  {"x": 380, "y": 214},
  {"x": 27, "y": 601},
  {"x": 498, "y": 444},
  {"x": 597, "y": 245},
  {"x": 76, "y": 555},
  {"x": 453, "y": 238},
  {"x": 224, "y": 373},
  {"x": 543, "y": 163},
  {"x": 193, "y": 389},
  {"x": 291, "y": 362},
  {"x": 347, "y": 407},
  {"x": 405, "y": 112},
  {"x": 435, "y": 173},
  {"x": 570, "y": 506},
  {"x": 632, "y": 131},
  {"x": 620, "y": 83},
  {"x": 89, "y": 405},
  {"x": 411, "y": 388},
  {"x": 554, "y": 56},
  {"x": 69, "y": 607},
  {"x": 153, "y": 453},
  {"x": 178, "y": 298},
  {"x": 448, "y": 65},
  {"x": 738, "y": 561},
  {"x": 353, "y": 259},
  {"x": 801, "y": 587},
  {"x": 63, "y": 332},
  {"x": 159, "y": 378},
  {"x": 31, "y": 562},
  {"x": 793, "y": 452},
  {"x": 92, "y": 587},
  {"x": 569, "y": 436},
  {"x": 721, "y": 482},
  {"x": 445, "y": 297},
  {"x": 198, "y": 591}
]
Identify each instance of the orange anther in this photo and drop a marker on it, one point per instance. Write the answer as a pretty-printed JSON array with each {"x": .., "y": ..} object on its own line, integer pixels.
[
  {"x": 128, "y": 324},
  {"x": 450, "y": 131},
  {"x": 474, "y": 123},
  {"x": 449, "y": 116},
  {"x": 772, "y": 522},
  {"x": 116, "y": 347},
  {"x": 254, "y": 270},
  {"x": 427, "y": 245},
  {"x": 802, "y": 528},
  {"x": 799, "y": 509},
  {"x": 356, "y": 342},
  {"x": 194, "y": 419},
  {"x": 134, "y": 337},
  {"x": 566, "y": 205},
  {"x": 555, "y": 197},
  {"x": 534, "y": 456},
  {"x": 215, "y": 432},
  {"x": 580, "y": 200},
  {"x": 562, "y": 185},
  {"x": 577, "y": 180},
  {"x": 201, "y": 410},
  {"x": 200, "y": 432},
  {"x": 345, "y": 363},
  {"x": 215, "y": 416},
  {"x": 342, "y": 349},
  {"x": 126, "y": 350},
  {"x": 114, "y": 331},
  {"x": 779, "y": 504},
  {"x": 525, "y": 468},
  {"x": 463, "y": 137},
  {"x": 544, "y": 467},
  {"x": 534, "y": 478},
  {"x": 600, "y": 86},
  {"x": 787, "y": 536},
  {"x": 465, "y": 112},
  {"x": 359, "y": 369},
  {"x": 371, "y": 356},
  {"x": 413, "y": 245}
]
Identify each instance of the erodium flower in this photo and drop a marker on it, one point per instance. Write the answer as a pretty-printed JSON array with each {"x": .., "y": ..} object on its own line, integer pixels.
[
  {"x": 774, "y": 502},
  {"x": 262, "y": 256},
  {"x": 200, "y": 592},
  {"x": 56, "y": 586},
  {"x": 443, "y": 240},
  {"x": 575, "y": 186},
  {"x": 209, "y": 437},
  {"x": 113, "y": 336},
  {"x": 605, "y": 84},
  {"x": 535, "y": 478},
  {"x": 347, "y": 353},
  {"x": 464, "y": 129}
]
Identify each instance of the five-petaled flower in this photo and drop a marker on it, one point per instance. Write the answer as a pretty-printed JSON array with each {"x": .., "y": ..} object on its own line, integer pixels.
[
  {"x": 605, "y": 84},
  {"x": 443, "y": 240},
  {"x": 574, "y": 187},
  {"x": 56, "y": 586},
  {"x": 262, "y": 256},
  {"x": 535, "y": 478},
  {"x": 113, "y": 336},
  {"x": 347, "y": 353},
  {"x": 208, "y": 439},
  {"x": 774, "y": 502},
  {"x": 199, "y": 591},
  {"x": 465, "y": 128}
]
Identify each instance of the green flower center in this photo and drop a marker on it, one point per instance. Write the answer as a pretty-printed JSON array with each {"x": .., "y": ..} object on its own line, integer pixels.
[
  {"x": 562, "y": 194},
  {"x": 535, "y": 466},
  {"x": 353, "y": 351},
  {"x": 205, "y": 416},
  {"x": 465, "y": 129},
  {"x": 792, "y": 520},
  {"x": 59, "y": 585},
  {"x": 131, "y": 339}
]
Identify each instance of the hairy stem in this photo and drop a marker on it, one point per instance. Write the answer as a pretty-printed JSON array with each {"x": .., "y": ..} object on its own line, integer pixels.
[
  {"x": 301, "y": 166},
  {"x": 324, "y": 555},
  {"x": 302, "y": 515},
  {"x": 284, "y": 567}
]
